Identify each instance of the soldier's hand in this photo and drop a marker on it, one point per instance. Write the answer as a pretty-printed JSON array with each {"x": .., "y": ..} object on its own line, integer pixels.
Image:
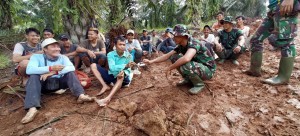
[
  {"x": 57, "y": 67},
  {"x": 218, "y": 47},
  {"x": 237, "y": 49},
  {"x": 120, "y": 75},
  {"x": 286, "y": 7},
  {"x": 146, "y": 61}
]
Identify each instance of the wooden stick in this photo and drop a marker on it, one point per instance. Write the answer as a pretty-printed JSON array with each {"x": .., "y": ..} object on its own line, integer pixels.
[
  {"x": 211, "y": 92},
  {"x": 135, "y": 92},
  {"x": 189, "y": 119},
  {"x": 45, "y": 124},
  {"x": 16, "y": 93}
]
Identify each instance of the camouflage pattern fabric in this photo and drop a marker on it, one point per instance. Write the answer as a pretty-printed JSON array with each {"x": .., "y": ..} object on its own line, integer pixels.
[
  {"x": 283, "y": 30},
  {"x": 202, "y": 64},
  {"x": 180, "y": 30}
]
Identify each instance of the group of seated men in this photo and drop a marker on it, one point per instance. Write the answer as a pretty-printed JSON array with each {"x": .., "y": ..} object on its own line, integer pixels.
[{"x": 48, "y": 66}]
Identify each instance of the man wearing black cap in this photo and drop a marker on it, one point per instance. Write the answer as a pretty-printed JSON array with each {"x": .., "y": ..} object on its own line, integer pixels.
[
  {"x": 68, "y": 49},
  {"x": 168, "y": 44},
  {"x": 229, "y": 42},
  {"x": 146, "y": 43}
]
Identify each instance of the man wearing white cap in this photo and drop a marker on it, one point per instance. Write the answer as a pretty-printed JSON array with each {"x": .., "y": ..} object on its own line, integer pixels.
[
  {"x": 133, "y": 46},
  {"x": 49, "y": 72}
]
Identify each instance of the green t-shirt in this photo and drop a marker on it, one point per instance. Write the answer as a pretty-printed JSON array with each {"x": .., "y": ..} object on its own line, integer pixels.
[
  {"x": 203, "y": 55},
  {"x": 229, "y": 39}
]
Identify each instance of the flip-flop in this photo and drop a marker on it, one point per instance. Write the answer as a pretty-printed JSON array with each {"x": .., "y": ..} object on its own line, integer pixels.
[{"x": 29, "y": 115}]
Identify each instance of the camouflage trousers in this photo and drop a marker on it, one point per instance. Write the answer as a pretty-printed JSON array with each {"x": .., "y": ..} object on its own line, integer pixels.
[
  {"x": 283, "y": 30},
  {"x": 192, "y": 67}
]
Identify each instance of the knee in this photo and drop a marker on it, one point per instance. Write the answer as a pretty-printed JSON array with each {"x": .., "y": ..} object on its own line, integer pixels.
[
  {"x": 33, "y": 77},
  {"x": 102, "y": 56},
  {"x": 23, "y": 63},
  {"x": 186, "y": 68}
]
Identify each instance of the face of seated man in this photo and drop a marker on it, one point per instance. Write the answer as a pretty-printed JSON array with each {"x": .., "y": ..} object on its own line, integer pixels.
[
  {"x": 33, "y": 38},
  {"x": 52, "y": 50},
  {"x": 92, "y": 35},
  {"x": 120, "y": 46}
]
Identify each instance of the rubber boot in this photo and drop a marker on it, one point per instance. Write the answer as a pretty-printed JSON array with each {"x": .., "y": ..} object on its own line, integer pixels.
[
  {"x": 221, "y": 56},
  {"x": 185, "y": 80},
  {"x": 286, "y": 66},
  {"x": 198, "y": 84},
  {"x": 255, "y": 65}
]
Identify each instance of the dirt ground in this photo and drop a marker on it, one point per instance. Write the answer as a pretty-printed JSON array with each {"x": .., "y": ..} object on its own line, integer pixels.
[{"x": 232, "y": 104}]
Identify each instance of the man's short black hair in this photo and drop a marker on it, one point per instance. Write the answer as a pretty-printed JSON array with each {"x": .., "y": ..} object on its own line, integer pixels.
[
  {"x": 119, "y": 38},
  {"x": 207, "y": 26},
  {"x": 220, "y": 13},
  {"x": 28, "y": 30},
  {"x": 243, "y": 18},
  {"x": 48, "y": 30}
]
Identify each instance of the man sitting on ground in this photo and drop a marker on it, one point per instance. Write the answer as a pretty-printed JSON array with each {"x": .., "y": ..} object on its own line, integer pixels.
[
  {"x": 191, "y": 58},
  {"x": 24, "y": 50},
  {"x": 68, "y": 49},
  {"x": 218, "y": 25},
  {"x": 229, "y": 43},
  {"x": 92, "y": 50},
  {"x": 245, "y": 30},
  {"x": 168, "y": 44},
  {"x": 49, "y": 72},
  {"x": 133, "y": 46},
  {"x": 120, "y": 63},
  {"x": 146, "y": 43}
]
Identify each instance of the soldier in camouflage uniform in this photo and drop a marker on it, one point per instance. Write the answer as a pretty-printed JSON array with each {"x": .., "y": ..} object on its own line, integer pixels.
[
  {"x": 191, "y": 58},
  {"x": 229, "y": 42},
  {"x": 281, "y": 22}
]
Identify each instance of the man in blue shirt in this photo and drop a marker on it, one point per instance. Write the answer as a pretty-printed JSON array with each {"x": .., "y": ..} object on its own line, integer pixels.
[
  {"x": 49, "y": 72},
  {"x": 120, "y": 63},
  {"x": 146, "y": 43}
]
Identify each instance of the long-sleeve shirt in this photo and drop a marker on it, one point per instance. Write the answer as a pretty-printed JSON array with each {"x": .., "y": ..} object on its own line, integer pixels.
[
  {"x": 117, "y": 63},
  {"x": 37, "y": 66}
]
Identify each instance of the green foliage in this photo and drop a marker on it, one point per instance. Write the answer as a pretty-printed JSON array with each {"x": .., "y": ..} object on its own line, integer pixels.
[{"x": 4, "y": 61}]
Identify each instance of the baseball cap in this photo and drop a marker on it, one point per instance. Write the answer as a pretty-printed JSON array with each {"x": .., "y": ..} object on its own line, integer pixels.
[
  {"x": 145, "y": 30},
  {"x": 169, "y": 30},
  {"x": 63, "y": 36},
  {"x": 48, "y": 41},
  {"x": 129, "y": 31}
]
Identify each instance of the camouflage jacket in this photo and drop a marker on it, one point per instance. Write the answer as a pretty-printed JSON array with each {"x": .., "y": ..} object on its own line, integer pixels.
[{"x": 203, "y": 55}]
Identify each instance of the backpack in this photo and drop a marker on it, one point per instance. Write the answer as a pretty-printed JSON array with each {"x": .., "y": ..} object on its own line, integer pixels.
[{"x": 84, "y": 79}]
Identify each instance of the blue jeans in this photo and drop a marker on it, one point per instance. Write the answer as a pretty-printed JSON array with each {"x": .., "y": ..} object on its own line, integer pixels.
[
  {"x": 147, "y": 47},
  {"x": 109, "y": 78},
  {"x": 35, "y": 87},
  {"x": 136, "y": 55}
]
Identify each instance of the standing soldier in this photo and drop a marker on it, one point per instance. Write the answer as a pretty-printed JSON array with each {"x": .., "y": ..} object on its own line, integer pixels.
[
  {"x": 282, "y": 22},
  {"x": 191, "y": 58}
]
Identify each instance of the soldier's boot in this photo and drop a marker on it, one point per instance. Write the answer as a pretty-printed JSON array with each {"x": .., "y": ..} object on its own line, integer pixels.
[
  {"x": 185, "y": 80},
  {"x": 286, "y": 66},
  {"x": 198, "y": 84},
  {"x": 221, "y": 56},
  {"x": 255, "y": 64}
]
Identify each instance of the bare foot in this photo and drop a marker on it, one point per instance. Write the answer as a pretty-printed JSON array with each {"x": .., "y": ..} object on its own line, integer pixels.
[
  {"x": 104, "y": 89},
  {"x": 102, "y": 102}
]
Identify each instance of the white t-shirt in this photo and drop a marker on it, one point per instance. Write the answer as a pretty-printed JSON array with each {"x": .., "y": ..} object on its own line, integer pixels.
[
  {"x": 19, "y": 49},
  {"x": 210, "y": 38},
  {"x": 245, "y": 31}
]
